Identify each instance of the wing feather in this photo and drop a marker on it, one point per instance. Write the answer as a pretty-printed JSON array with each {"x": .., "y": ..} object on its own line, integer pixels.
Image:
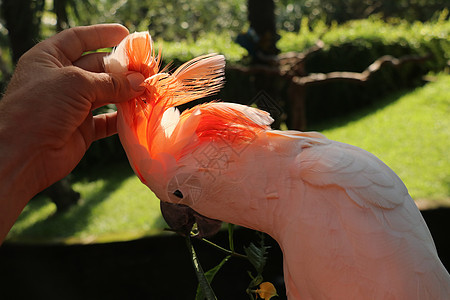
[
  {"x": 367, "y": 181},
  {"x": 366, "y": 178}
]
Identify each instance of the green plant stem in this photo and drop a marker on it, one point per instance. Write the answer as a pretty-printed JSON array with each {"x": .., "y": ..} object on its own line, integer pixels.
[
  {"x": 229, "y": 252},
  {"x": 230, "y": 236},
  {"x": 203, "y": 282}
]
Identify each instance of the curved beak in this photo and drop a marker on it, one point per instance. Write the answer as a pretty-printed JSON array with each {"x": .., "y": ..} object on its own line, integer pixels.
[{"x": 182, "y": 218}]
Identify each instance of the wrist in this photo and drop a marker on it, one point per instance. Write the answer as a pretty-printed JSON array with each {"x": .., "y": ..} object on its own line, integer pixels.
[{"x": 18, "y": 181}]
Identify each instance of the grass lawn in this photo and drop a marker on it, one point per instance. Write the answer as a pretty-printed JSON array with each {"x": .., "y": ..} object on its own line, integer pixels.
[
  {"x": 115, "y": 206},
  {"x": 410, "y": 131}
]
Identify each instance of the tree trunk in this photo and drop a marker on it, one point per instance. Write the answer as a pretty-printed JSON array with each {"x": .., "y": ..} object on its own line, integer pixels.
[
  {"x": 261, "y": 15},
  {"x": 60, "y": 10},
  {"x": 23, "y": 20}
]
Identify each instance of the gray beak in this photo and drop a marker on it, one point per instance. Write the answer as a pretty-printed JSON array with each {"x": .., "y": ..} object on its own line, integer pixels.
[{"x": 181, "y": 218}]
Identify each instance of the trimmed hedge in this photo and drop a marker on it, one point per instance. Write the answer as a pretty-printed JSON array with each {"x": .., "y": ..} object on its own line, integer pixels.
[{"x": 370, "y": 39}]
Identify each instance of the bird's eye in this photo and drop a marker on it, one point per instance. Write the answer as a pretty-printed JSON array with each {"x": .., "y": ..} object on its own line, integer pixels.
[{"x": 178, "y": 194}]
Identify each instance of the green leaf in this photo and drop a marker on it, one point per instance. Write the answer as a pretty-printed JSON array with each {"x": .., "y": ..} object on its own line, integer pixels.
[
  {"x": 257, "y": 256},
  {"x": 209, "y": 275},
  {"x": 202, "y": 281},
  {"x": 255, "y": 280}
]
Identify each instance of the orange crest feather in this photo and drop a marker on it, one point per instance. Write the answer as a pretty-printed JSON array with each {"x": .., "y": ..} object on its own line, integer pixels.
[
  {"x": 197, "y": 78},
  {"x": 141, "y": 55}
]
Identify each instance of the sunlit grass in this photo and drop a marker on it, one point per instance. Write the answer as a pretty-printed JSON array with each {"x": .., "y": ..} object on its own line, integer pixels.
[
  {"x": 410, "y": 133},
  {"x": 115, "y": 205},
  {"x": 132, "y": 207}
]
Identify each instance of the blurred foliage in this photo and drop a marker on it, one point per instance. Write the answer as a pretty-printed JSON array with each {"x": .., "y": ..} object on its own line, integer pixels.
[
  {"x": 169, "y": 19},
  {"x": 79, "y": 10},
  {"x": 340, "y": 11},
  {"x": 174, "y": 20},
  {"x": 191, "y": 20},
  {"x": 185, "y": 50},
  {"x": 22, "y": 19}
]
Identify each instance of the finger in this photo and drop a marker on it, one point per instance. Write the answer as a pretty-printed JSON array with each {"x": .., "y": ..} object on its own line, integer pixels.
[
  {"x": 105, "y": 125},
  {"x": 86, "y": 130},
  {"x": 92, "y": 62},
  {"x": 73, "y": 42},
  {"x": 105, "y": 88}
]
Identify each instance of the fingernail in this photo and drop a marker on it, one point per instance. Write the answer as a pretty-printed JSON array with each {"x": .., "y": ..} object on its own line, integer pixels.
[{"x": 136, "y": 79}]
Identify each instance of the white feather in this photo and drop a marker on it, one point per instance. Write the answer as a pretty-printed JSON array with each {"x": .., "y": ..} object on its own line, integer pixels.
[
  {"x": 258, "y": 116},
  {"x": 170, "y": 120},
  {"x": 117, "y": 61}
]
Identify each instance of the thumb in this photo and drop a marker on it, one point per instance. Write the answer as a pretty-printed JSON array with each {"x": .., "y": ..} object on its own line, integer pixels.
[{"x": 115, "y": 88}]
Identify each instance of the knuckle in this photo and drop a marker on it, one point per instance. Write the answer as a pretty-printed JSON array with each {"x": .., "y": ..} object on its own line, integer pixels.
[
  {"x": 115, "y": 82},
  {"x": 116, "y": 85},
  {"x": 72, "y": 75}
]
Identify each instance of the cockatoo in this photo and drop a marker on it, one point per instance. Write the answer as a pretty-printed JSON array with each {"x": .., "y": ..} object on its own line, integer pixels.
[{"x": 345, "y": 222}]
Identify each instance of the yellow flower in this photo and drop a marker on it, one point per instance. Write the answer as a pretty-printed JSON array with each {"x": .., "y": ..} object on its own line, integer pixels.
[{"x": 266, "y": 291}]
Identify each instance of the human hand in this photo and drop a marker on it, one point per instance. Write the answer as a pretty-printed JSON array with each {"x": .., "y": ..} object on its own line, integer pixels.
[
  {"x": 50, "y": 98},
  {"x": 46, "y": 121}
]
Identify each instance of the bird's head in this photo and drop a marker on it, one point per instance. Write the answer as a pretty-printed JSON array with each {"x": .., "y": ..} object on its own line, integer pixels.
[
  {"x": 182, "y": 157},
  {"x": 151, "y": 129}
]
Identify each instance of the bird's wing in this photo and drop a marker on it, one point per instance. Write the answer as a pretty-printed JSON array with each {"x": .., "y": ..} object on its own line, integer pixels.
[
  {"x": 360, "y": 206},
  {"x": 367, "y": 182},
  {"x": 366, "y": 179}
]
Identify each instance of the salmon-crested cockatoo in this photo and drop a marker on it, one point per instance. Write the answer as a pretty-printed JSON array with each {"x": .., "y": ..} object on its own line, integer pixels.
[{"x": 345, "y": 222}]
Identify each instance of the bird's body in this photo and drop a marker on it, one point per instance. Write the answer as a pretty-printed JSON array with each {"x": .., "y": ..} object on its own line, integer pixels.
[{"x": 345, "y": 222}]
